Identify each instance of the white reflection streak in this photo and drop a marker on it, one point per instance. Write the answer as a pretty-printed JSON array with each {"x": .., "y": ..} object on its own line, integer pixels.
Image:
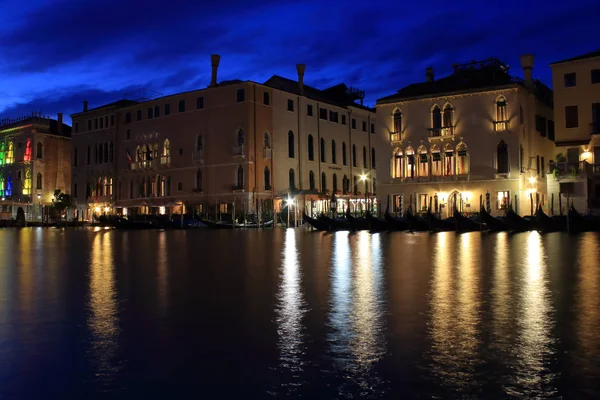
[
  {"x": 341, "y": 297},
  {"x": 162, "y": 272},
  {"x": 103, "y": 321},
  {"x": 291, "y": 308},
  {"x": 501, "y": 293}
]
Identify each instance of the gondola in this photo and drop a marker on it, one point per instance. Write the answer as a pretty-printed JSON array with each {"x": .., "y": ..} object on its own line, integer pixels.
[
  {"x": 416, "y": 223},
  {"x": 493, "y": 224},
  {"x": 516, "y": 223},
  {"x": 357, "y": 223},
  {"x": 316, "y": 223},
  {"x": 464, "y": 224},
  {"x": 378, "y": 224},
  {"x": 439, "y": 225},
  {"x": 397, "y": 224},
  {"x": 577, "y": 222},
  {"x": 335, "y": 224},
  {"x": 544, "y": 223}
]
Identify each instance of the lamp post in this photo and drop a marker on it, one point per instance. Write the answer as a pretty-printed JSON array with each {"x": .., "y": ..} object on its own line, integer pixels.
[
  {"x": 363, "y": 178},
  {"x": 39, "y": 196},
  {"x": 289, "y": 203}
]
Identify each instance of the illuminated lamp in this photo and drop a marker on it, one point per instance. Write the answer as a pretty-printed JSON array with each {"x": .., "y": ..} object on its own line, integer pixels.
[{"x": 532, "y": 180}]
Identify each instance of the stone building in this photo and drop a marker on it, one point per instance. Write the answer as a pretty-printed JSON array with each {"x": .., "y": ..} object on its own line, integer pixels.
[
  {"x": 477, "y": 133},
  {"x": 235, "y": 147},
  {"x": 576, "y": 167},
  {"x": 35, "y": 160}
]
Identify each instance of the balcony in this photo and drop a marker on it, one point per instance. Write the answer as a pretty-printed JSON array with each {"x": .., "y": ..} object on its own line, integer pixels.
[
  {"x": 395, "y": 137},
  {"x": 198, "y": 156},
  {"x": 501, "y": 126},
  {"x": 238, "y": 151},
  {"x": 445, "y": 131},
  {"x": 572, "y": 170},
  {"x": 142, "y": 165},
  {"x": 267, "y": 152},
  {"x": 165, "y": 161},
  {"x": 595, "y": 128}
]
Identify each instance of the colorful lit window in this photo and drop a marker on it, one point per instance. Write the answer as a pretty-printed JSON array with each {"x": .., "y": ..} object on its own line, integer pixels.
[
  {"x": 27, "y": 182},
  {"x": 28, "y": 154},
  {"x": 2, "y": 153},
  {"x": 10, "y": 153},
  {"x": 1, "y": 185},
  {"x": 8, "y": 190}
]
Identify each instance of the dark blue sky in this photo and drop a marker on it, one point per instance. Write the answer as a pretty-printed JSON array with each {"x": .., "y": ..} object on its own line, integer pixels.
[{"x": 56, "y": 53}]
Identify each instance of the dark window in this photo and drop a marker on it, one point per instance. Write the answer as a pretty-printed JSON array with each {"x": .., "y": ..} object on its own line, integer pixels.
[
  {"x": 167, "y": 109},
  {"x": 96, "y": 123},
  {"x": 112, "y": 120},
  {"x": 156, "y": 111},
  {"x": 355, "y": 184},
  {"x": 334, "y": 183},
  {"x": 595, "y": 76},
  {"x": 372, "y": 128},
  {"x": 89, "y": 124},
  {"x": 138, "y": 116},
  {"x": 180, "y": 186},
  {"x": 333, "y": 116},
  {"x": 290, "y": 105},
  {"x": 180, "y": 152},
  {"x": 292, "y": 179},
  {"x": 343, "y": 119},
  {"x": 323, "y": 113},
  {"x": 354, "y": 155},
  {"x": 309, "y": 110},
  {"x": 543, "y": 167},
  {"x": 541, "y": 125},
  {"x": 311, "y": 180},
  {"x": 181, "y": 105},
  {"x": 101, "y": 123},
  {"x": 110, "y": 152},
  {"x": 365, "y": 157},
  {"x": 311, "y": 148},
  {"x": 267, "y": 178},
  {"x": 75, "y": 190},
  {"x": 436, "y": 120},
  {"x": 521, "y": 115},
  {"x": 353, "y": 123},
  {"x": 322, "y": 150},
  {"x": 128, "y": 134},
  {"x": 40, "y": 150},
  {"x": 373, "y": 157},
  {"x": 150, "y": 112},
  {"x": 89, "y": 159},
  {"x": 537, "y": 164},
  {"x": 364, "y": 126},
  {"x": 199, "y": 102},
  {"x": 266, "y": 102},
  {"x": 241, "y": 95},
  {"x": 199, "y": 180},
  {"x": 550, "y": 129},
  {"x": 344, "y": 159},
  {"x": 323, "y": 182},
  {"x": 333, "y": 155},
  {"x": 127, "y": 117},
  {"x": 76, "y": 127},
  {"x": 502, "y": 156},
  {"x": 291, "y": 144},
  {"x": 570, "y": 79},
  {"x": 571, "y": 117},
  {"x": 75, "y": 157}
]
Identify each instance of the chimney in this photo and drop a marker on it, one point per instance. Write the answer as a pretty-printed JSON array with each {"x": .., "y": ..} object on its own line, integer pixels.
[
  {"x": 60, "y": 123},
  {"x": 527, "y": 65},
  {"x": 214, "y": 63},
  {"x": 85, "y": 105},
  {"x": 300, "y": 68},
  {"x": 429, "y": 74}
]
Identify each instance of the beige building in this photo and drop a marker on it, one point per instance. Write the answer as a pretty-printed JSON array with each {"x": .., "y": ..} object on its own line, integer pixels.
[
  {"x": 576, "y": 165},
  {"x": 34, "y": 162},
  {"x": 477, "y": 133},
  {"x": 235, "y": 147}
]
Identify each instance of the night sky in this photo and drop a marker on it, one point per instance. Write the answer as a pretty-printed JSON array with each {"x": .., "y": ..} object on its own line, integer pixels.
[{"x": 56, "y": 53}]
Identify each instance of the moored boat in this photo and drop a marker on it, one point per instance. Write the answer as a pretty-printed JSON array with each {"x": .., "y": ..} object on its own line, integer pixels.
[
  {"x": 440, "y": 225},
  {"x": 464, "y": 224},
  {"x": 492, "y": 223},
  {"x": 397, "y": 224},
  {"x": 516, "y": 223},
  {"x": 357, "y": 223},
  {"x": 416, "y": 223},
  {"x": 316, "y": 223},
  {"x": 544, "y": 223},
  {"x": 377, "y": 224}
]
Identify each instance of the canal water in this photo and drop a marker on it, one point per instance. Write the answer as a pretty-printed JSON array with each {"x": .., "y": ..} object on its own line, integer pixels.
[{"x": 292, "y": 313}]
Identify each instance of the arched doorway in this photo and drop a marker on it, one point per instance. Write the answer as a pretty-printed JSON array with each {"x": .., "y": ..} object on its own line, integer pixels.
[
  {"x": 453, "y": 199},
  {"x": 20, "y": 217}
]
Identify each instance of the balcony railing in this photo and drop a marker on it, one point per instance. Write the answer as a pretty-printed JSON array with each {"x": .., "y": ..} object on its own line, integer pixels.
[
  {"x": 442, "y": 131},
  {"x": 501, "y": 126},
  {"x": 198, "y": 155},
  {"x": 141, "y": 165},
  {"x": 395, "y": 137},
  {"x": 165, "y": 160},
  {"x": 578, "y": 169},
  {"x": 595, "y": 128},
  {"x": 238, "y": 150},
  {"x": 267, "y": 152}
]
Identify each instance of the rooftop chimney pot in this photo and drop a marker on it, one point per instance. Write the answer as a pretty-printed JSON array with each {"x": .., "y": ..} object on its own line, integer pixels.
[
  {"x": 60, "y": 123},
  {"x": 214, "y": 63},
  {"x": 300, "y": 68},
  {"x": 85, "y": 105},
  {"x": 527, "y": 65},
  {"x": 429, "y": 74}
]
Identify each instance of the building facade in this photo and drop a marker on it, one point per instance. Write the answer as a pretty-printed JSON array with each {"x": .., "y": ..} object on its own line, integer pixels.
[
  {"x": 576, "y": 166},
  {"x": 35, "y": 160},
  {"x": 233, "y": 148},
  {"x": 478, "y": 134}
]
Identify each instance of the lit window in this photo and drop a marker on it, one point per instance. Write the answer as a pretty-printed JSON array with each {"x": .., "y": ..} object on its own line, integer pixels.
[
  {"x": 503, "y": 200},
  {"x": 27, "y": 183},
  {"x": 166, "y": 157},
  {"x": 501, "y": 123},
  {"x": 28, "y": 153},
  {"x": 462, "y": 166},
  {"x": 397, "y": 164}
]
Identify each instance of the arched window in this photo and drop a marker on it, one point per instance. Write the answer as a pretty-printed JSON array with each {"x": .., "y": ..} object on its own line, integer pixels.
[
  {"x": 110, "y": 152},
  {"x": 157, "y": 183},
  {"x": 166, "y": 157},
  {"x": 448, "y": 123},
  {"x": 423, "y": 161},
  {"x": 199, "y": 185},
  {"x": 27, "y": 156},
  {"x": 292, "y": 179},
  {"x": 38, "y": 181},
  {"x": 355, "y": 184},
  {"x": 267, "y": 178},
  {"x": 267, "y": 140},
  {"x": 154, "y": 151},
  {"x": 410, "y": 163},
  {"x": 436, "y": 121},
  {"x": 27, "y": 183},
  {"x": 40, "y": 150},
  {"x": 462, "y": 159},
  {"x": 449, "y": 162},
  {"x": 240, "y": 178},
  {"x": 333, "y": 155},
  {"x": 334, "y": 183},
  {"x": 365, "y": 157},
  {"x": 139, "y": 155},
  {"x": 373, "y": 157},
  {"x": 344, "y": 158},
  {"x": 2, "y": 184},
  {"x": 199, "y": 143},
  {"x": 291, "y": 153},
  {"x": 311, "y": 148},
  {"x": 354, "y": 155},
  {"x": 311, "y": 180},
  {"x": 345, "y": 185},
  {"x": 322, "y": 150},
  {"x": 10, "y": 154},
  {"x": 88, "y": 155},
  {"x": 240, "y": 137},
  {"x": 105, "y": 152},
  {"x": 2, "y": 153},
  {"x": 323, "y": 182},
  {"x": 397, "y": 118},
  {"x": 374, "y": 185},
  {"x": 8, "y": 191},
  {"x": 96, "y": 153},
  {"x": 75, "y": 158},
  {"x": 397, "y": 165},
  {"x": 502, "y": 154},
  {"x": 501, "y": 123},
  {"x": 436, "y": 161}
]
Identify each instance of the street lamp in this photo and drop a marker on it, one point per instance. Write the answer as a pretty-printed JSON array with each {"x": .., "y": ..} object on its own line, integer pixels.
[
  {"x": 39, "y": 196},
  {"x": 289, "y": 202},
  {"x": 363, "y": 178}
]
